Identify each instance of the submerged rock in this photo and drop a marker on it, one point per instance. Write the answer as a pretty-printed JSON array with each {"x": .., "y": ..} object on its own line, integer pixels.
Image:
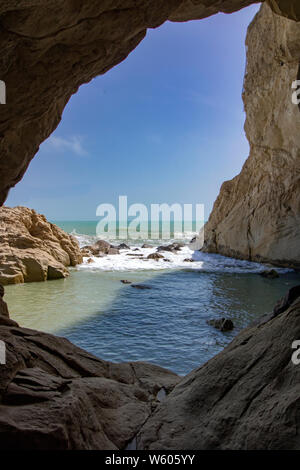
[
  {"x": 33, "y": 249},
  {"x": 222, "y": 324},
  {"x": 124, "y": 281},
  {"x": 140, "y": 286},
  {"x": 271, "y": 274},
  {"x": 189, "y": 260}
]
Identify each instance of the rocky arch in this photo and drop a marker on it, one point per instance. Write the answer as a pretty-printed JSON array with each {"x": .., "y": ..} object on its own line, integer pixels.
[{"x": 50, "y": 48}]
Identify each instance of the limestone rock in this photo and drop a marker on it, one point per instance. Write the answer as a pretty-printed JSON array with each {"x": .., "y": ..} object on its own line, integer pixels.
[
  {"x": 33, "y": 249},
  {"x": 257, "y": 214}
]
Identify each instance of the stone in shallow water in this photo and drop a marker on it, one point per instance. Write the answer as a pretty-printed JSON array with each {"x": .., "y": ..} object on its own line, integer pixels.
[
  {"x": 222, "y": 324},
  {"x": 270, "y": 274},
  {"x": 140, "y": 286},
  {"x": 123, "y": 246},
  {"x": 155, "y": 256}
]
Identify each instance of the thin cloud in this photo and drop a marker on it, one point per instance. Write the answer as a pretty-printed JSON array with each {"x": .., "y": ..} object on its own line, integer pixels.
[{"x": 72, "y": 144}]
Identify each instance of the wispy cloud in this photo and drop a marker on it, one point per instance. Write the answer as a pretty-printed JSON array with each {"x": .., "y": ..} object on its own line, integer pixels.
[{"x": 72, "y": 144}]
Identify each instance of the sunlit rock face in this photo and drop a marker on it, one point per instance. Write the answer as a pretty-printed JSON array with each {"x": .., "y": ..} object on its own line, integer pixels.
[
  {"x": 33, "y": 249},
  {"x": 49, "y": 48},
  {"x": 257, "y": 214}
]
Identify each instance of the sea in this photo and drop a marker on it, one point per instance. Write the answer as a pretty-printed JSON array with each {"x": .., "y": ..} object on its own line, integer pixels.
[{"x": 164, "y": 323}]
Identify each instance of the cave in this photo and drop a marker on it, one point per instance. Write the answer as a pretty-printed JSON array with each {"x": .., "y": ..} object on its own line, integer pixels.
[{"x": 48, "y": 51}]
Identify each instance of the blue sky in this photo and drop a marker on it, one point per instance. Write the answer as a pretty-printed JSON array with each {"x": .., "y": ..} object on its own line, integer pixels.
[{"x": 165, "y": 125}]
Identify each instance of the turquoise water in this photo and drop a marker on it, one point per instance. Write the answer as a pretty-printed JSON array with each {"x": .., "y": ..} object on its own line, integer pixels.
[{"x": 165, "y": 324}]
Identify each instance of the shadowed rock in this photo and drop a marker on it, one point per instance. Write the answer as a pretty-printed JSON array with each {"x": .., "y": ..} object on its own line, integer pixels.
[
  {"x": 222, "y": 324},
  {"x": 155, "y": 256},
  {"x": 246, "y": 397},
  {"x": 56, "y": 396},
  {"x": 270, "y": 274}
]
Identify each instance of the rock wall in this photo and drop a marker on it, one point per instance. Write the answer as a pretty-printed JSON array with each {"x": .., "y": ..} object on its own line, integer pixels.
[
  {"x": 49, "y": 48},
  {"x": 32, "y": 249},
  {"x": 257, "y": 214},
  {"x": 245, "y": 398},
  {"x": 56, "y": 396}
]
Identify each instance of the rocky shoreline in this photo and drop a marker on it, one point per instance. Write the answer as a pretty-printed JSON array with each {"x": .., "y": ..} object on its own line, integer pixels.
[
  {"x": 32, "y": 249},
  {"x": 56, "y": 396}
]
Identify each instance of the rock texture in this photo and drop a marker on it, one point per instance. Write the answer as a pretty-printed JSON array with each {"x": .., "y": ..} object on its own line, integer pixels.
[
  {"x": 247, "y": 397},
  {"x": 257, "y": 214},
  {"x": 49, "y": 48},
  {"x": 99, "y": 248},
  {"x": 56, "y": 396},
  {"x": 32, "y": 249}
]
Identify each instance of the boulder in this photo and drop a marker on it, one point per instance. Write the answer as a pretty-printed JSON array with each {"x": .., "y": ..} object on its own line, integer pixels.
[
  {"x": 33, "y": 249},
  {"x": 113, "y": 251},
  {"x": 55, "y": 396},
  {"x": 56, "y": 272},
  {"x": 155, "y": 256},
  {"x": 222, "y": 324},
  {"x": 166, "y": 248},
  {"x": 270, "y": 274},
  {"x": 123, "y": 246},
  {"x": 99, "y": 248},
  {"x": 245, "y": 398},
  {"x": 146, "y": 245}
]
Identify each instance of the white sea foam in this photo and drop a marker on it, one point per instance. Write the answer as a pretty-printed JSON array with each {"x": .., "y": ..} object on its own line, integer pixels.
[{"x": 128, "y": 260}]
